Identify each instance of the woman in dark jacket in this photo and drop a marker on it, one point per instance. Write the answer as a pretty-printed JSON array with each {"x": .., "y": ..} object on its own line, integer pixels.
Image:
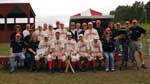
[
  {"x": 108, "y": 49},
  {"x": 31, "y": 52}
]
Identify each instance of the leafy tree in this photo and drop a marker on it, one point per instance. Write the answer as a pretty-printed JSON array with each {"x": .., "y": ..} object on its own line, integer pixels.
[{"x": 147, "y": 12}]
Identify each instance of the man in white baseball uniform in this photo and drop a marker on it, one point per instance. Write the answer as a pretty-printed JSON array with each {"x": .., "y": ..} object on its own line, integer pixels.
[
  {"x": 43, "y": 52},
  {"x": 96, "y": 51},
  {"x": 71, "y": 50},
  {"x": 83, "y": 50},
  {"x": 45, "y": 27},
  {"x": 62, "y": 31},
  {"x": 51, "y": 33},
  {"x": 39, "y": 33},
  {"x": 90, "y": 33},
  {"x": 58, "y": 52}
]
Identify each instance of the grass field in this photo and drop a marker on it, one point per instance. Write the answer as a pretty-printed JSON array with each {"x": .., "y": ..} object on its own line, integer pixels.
[
  {"x": 130, "y": 76},
  {"x": 101, "y": 77}
]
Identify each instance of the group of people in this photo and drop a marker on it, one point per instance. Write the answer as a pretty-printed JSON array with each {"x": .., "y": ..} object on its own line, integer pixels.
[{"x": 83, "y": 44}]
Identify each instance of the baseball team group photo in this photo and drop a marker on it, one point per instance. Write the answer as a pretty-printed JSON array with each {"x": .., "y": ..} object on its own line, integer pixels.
[{"x": 91, "y": 48}]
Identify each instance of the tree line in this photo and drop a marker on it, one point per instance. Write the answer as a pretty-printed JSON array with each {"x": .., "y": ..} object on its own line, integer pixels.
[{"x": 138, "y": 10}]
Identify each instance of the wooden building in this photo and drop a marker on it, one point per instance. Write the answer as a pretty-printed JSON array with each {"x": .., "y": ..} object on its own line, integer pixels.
[{"x": 12, "y": 14}]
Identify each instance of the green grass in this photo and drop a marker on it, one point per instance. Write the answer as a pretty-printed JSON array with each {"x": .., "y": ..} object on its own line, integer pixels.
[
  {"x": 146, "y": 26},
  {"x": 4, "y": 49},
  {"x": 118, "y": 77},
  {"x": 130, "y": 76}
]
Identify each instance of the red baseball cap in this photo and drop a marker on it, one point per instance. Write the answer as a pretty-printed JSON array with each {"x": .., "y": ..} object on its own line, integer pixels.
[
  {"x": 107, "y": 29},
  {"x": 134, "y": 21},
  {"x": 18, "y": 34},
  {"x": 118, "y": 23},
  {"x": 127, "y": 22},
  {"x": 98, "y": 21}
]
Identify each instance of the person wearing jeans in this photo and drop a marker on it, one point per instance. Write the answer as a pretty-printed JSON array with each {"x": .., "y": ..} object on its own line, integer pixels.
[
  {"x": 31, "y": 52},
  {"x": 108, "y": 49},
  {"x": 109, "y": 56},
  {"x": 16, "y": 50},
  {"x": 121, "y": 39}
]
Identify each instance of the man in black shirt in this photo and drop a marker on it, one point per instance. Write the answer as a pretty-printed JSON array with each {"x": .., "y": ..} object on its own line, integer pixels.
[
  {"x": 57, "y": 25},
  {"x": 84, "y": 28},
  {"x": 135, "y": 34},
  {"x": 121, "y": 40},
  {"x": 16, "y": 50},
  {"x": 99, "y": 28},
  {"x": 72, "y": 30}
]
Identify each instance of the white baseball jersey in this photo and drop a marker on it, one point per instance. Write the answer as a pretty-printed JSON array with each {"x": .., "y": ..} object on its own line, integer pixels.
[
  {"x": 44, "y": 45},
  {"x": 51, "y": 34},
  {"x": 82, "y": 46},
  {"x": 70, "y": 46},
  {"x": 39, "y": 34},
  {"x": 90, "y": 34},
  {"x": 63, "y": 33},
  {"x": 96, "y": 47},
  {"x": 57, "y": 46}
]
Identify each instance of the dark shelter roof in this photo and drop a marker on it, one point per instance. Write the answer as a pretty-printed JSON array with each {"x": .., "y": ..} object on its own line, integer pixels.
[{"x": 16, "y": 10}]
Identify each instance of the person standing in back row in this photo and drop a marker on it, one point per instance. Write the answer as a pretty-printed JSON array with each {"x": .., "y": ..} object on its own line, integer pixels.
[
  {"x": 57, "y": 25},
  {"x": 90, "y": 33},
  {"x": 99, "y": 28},
  {"x": 26, "y": 32}
]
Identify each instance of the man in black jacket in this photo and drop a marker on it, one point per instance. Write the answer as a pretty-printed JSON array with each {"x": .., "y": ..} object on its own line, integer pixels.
[
  {"x": 99, "y": 28},
  {"x": 57, "y": 25},
  {"x": 73, "y": 31}
]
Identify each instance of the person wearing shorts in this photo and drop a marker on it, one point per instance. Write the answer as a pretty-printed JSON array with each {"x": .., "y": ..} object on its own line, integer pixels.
[{"x": 135, "y": 34}]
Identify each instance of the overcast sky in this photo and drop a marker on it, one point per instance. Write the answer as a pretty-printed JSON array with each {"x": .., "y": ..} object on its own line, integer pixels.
[{"x": 66, "y": 8}]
